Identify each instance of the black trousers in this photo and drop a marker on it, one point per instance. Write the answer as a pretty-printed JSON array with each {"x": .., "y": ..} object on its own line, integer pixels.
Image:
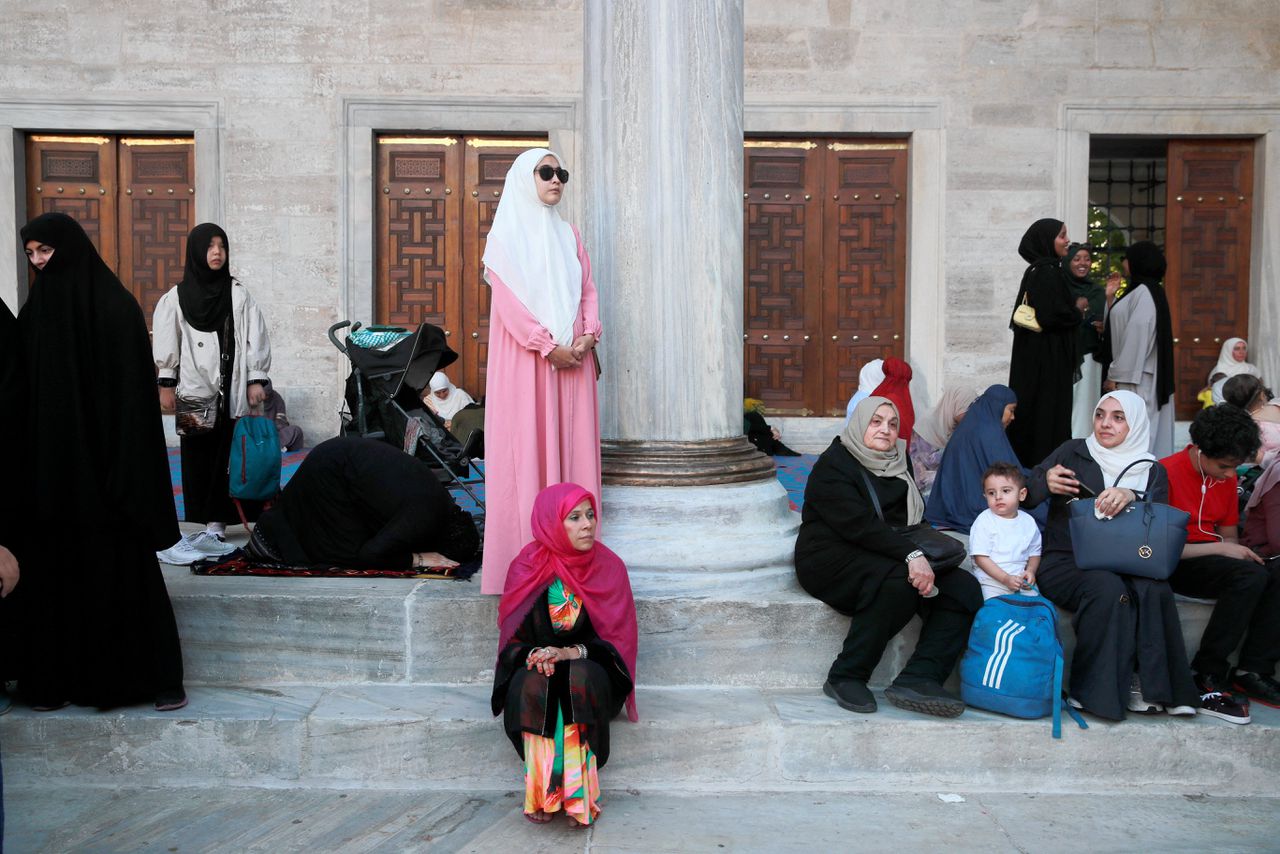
[
  {"x": 1248, "y": 608},
  {"x": 943, "y": 635}
]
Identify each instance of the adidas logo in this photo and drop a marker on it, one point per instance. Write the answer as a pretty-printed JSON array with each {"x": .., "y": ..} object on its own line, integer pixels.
[{"x": 994, "y": 673}]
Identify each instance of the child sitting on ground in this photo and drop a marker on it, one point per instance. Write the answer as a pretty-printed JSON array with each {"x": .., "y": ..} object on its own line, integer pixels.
[{"x": 1004, "y": 541}]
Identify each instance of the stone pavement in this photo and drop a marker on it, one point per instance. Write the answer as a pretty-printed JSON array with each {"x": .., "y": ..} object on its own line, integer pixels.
[{"x": 324, "y": 820}]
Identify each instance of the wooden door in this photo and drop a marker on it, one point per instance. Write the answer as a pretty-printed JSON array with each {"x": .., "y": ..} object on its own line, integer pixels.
[
  {"x": 134, "y": 196},
  {"x": 784, "y": 277},
  {"x": 825, "y": 268},
  {"x": 156, "y": 211},
  {"x": 76, "y": 175},
  {"x": 864, "y": 305},
  {"x": 1210, "y": 210},
  {"x": 419, "y": 245},
  {"x": 436, "y": 203}
]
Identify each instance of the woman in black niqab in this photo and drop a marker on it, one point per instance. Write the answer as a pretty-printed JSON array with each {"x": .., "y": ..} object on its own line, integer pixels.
[
  {"x": 1043, "y": 364},
  {"x": 100, "y": 627}
]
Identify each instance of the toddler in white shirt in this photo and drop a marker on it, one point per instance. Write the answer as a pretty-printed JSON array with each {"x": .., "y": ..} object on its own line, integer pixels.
[{"x": 1004, "y": 542}]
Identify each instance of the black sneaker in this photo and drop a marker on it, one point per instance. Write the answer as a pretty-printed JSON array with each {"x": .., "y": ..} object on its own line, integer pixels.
[
  {"x": 1217, "y": 703},
  {"x": 1255, "y": 686},
  {"x": 924, "y": 696},
  {"x": 853, "y": 695}
]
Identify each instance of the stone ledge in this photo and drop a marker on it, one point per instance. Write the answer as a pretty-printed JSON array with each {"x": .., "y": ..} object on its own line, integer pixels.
[{"x": 699, "y": 738}]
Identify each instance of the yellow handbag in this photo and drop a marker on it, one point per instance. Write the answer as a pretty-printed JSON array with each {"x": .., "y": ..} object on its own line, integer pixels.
[{"x": 1025, "y": 316}]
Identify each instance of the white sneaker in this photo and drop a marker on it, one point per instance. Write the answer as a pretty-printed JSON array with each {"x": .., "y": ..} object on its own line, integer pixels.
[
  {"x": 180, "y": 554},
  {"x": 1182, "y": 710},
  {"x": 1138, "y": 703},
  {"x": 209, "y": 544}
]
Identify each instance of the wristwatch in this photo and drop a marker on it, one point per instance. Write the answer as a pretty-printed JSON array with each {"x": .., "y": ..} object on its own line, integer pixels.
[{"x": 915, "y": 554}]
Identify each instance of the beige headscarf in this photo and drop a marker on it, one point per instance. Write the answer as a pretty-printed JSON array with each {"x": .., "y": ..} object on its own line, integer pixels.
[
  {"x": 881, "y": 463},
  {"x": 940, "y": 422}
]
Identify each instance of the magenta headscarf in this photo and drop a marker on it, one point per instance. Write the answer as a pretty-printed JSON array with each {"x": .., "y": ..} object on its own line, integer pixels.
[{"x": 598, "y": 576}]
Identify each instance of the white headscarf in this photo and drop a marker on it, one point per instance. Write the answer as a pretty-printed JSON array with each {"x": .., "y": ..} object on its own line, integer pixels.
[
  {"x": 886, "y": 464},
  {"x": 1228, "y": 365},
  {"x": 1112, "y": 461},
  {"x": 534, "y": 252},
  {"x": 450, "y": 406},
  {"x": 869, "y": 379}
]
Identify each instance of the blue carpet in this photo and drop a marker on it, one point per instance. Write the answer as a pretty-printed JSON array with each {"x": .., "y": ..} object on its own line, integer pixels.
[{"x": 793, "y": 473}]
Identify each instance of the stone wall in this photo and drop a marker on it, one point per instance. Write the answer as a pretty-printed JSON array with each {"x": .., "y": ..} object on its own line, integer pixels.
[{"x": 998, "y": 74}]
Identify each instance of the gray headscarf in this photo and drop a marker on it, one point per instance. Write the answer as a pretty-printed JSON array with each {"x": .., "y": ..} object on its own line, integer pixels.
[{"x": 881, "y": 463}]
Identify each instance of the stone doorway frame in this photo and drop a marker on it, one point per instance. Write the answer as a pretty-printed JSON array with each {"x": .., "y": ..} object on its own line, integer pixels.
[
  {"x": 922, "y": 123},
  {"x": 363, "y": 118},
  {"x": 1078, "y": 121},
  {"x": 20, "y": 116}
]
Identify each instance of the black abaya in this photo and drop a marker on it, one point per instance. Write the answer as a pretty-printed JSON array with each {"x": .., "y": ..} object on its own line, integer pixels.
[
  {"x": 100, "y": 628},
  {"x": 1043, "y": 364}
]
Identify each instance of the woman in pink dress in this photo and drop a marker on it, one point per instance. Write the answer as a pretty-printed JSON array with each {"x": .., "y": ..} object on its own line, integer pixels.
[{"x": 542, "y": 422}]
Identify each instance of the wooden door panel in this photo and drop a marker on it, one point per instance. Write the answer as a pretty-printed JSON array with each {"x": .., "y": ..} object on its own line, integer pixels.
[
  {"x": 783, "y": 267},
  {"x": 156, "y": 210},
  {"x": 418, "y": 244},
  {"x": 486, "y": 166},
  {"x": 864, "y": 298},
  {"x": 1209, "y": 220},
  {"x": 76, "y": 175}
]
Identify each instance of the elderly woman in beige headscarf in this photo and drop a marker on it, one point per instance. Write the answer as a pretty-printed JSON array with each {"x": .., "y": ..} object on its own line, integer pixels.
[{"x": 851, "y": 555}]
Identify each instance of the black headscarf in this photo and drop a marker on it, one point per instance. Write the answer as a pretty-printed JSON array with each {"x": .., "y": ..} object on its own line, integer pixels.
[
  {"x": 1038, "y": 241},
  {"x": 1147, "y": 266},
  {"x": 205, "y": 294},
  {"x": 92, "y": 415},
  {"x": 1087, "y": 338}
]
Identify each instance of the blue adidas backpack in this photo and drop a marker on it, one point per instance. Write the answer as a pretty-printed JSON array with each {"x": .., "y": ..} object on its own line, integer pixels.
[
  {"x": 1014, "y": 661},
  {"x": 254, "y": 471}
]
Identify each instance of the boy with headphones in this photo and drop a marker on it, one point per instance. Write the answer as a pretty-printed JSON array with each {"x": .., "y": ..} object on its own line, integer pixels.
[{"x": 1214, "y": 565}]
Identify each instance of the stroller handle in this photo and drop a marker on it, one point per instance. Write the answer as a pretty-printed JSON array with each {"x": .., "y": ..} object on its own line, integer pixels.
[{"x": 341, "y": 324}]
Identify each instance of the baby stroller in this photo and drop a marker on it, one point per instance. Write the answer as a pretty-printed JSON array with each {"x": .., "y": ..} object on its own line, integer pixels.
[{"x": 389, "y": 368}]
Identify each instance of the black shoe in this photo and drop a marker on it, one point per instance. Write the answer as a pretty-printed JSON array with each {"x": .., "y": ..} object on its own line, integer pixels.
[
  {"x": 853, "y": 695},
  {"x": 1255, "y": 686},
  {"x": 924, "y": 696},
  {"x": 170, "y": 699},
  {"x": 1218, "y": 703}
]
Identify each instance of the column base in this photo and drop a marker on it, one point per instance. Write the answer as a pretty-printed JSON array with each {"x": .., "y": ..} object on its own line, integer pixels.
[{"x": 706, "y": 462}]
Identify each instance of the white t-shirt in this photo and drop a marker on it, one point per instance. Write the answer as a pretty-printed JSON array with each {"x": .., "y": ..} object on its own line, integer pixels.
[{"x": 1008, "y": 543}]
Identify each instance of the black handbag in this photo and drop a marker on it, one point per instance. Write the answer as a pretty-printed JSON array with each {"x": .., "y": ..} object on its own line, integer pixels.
[
  {"x": 941, "y": 551},
  {"x": 1144, "y": 539}
]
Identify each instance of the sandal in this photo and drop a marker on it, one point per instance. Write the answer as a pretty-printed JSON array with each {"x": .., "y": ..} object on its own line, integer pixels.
[{"x": 546, "y": 817}]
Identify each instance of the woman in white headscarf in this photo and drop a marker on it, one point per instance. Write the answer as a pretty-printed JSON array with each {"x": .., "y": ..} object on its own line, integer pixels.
[
  {"x": 445, "y": 398},
  {"x": 1129, "y": 652},
  {"x": 541, "y": 418},
  {"x": 871, "y": 375},
  {"x": 1233, "y": 360}
]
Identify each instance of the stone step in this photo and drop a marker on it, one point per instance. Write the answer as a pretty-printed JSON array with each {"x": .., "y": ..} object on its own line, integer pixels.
[
  {"x": 694, "y": 738},
  {"x": 735, "y": 629}
]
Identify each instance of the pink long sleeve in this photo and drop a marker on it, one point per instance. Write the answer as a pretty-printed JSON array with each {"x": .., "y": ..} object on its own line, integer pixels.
[
  {"x": 522, "y": 325},
  {"x": 589, "y": 312}
]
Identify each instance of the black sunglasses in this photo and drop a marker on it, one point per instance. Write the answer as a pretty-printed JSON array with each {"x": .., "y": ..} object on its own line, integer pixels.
[{"x": 546, "y": 173}]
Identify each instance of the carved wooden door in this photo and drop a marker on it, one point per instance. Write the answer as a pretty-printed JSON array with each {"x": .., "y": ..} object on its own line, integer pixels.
[
  {"x": 436, "y": 203},
  {"x": 1210, "y": 210},
  {"x": 865, "y": 252},
  {"x": 782, "y": 318},
  {"x": 156, "y": 211},
  {"x": 134, "y": 196},
  {"x": 825, "y": 268},
  {"x": 76, "y": 175}
]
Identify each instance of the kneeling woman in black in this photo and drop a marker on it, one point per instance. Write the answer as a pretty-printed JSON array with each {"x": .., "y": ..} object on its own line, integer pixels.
[
  {"x": 566, "y": 655},
  {"x": 858, "y": 564},
  {"x": 1129, "y": 652}
]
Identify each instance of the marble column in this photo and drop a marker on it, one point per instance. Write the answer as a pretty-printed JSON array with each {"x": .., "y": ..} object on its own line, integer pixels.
[
  {"x": 662, "y": 184},
  {"x": 662, "y": 85}
]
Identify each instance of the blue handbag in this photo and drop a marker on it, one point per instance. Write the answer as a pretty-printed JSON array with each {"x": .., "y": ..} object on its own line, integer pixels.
[{"x": 1144, "y": 539}]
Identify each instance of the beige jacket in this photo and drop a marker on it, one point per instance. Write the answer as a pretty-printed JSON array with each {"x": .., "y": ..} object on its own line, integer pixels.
[{"x": 192, "y": 357}]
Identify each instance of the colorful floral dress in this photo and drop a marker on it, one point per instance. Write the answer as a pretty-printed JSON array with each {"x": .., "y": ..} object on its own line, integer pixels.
[{"x": 560, "y": 724}]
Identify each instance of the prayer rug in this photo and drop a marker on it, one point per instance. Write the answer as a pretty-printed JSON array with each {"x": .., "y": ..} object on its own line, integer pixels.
[
  {"x": 240, "y": 564},
  {"x": 793, "y": 474}
]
